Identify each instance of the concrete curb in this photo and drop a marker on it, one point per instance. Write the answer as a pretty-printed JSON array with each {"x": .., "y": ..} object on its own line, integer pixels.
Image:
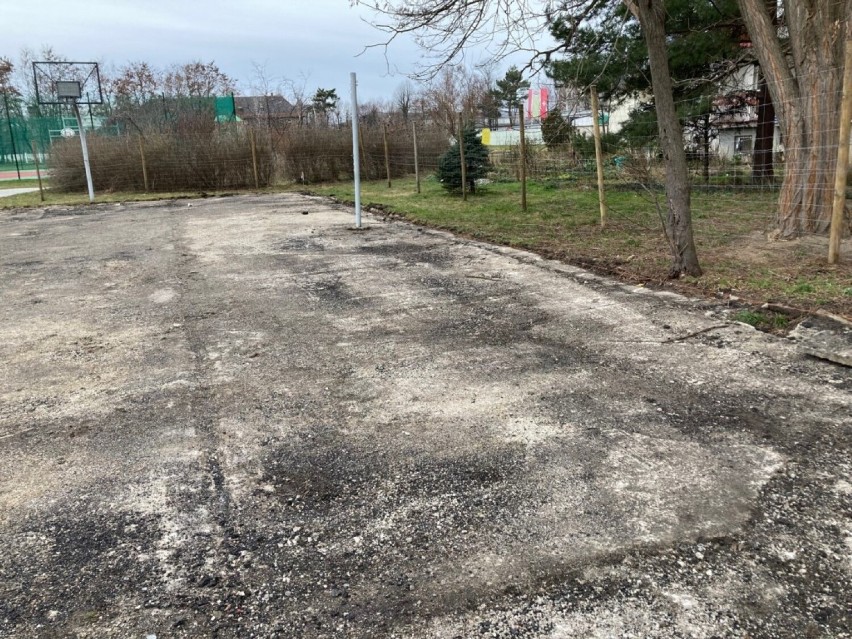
[{"x": 818, "y": 336}]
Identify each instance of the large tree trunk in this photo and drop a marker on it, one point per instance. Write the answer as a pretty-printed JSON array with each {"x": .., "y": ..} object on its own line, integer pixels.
[
  {"x": 705, "y": 134},
  {"x": 652, "y": 16},
  {"x": 806, "y": 89},
  {"x": 763, "y": 164}
]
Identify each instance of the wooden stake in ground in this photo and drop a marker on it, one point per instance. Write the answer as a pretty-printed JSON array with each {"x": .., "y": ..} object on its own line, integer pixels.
[
  {"x": 842, "y": 160},
  {"x": 144, "y": 163},
  {"x": 387, "y": 154},
  {"x": 416, "y": 160},
  {"x": 254, "y": 158},
  {"x": 596, "y": 127},
  {"x": 461, "y": 158},
  {"x": 523, "y": 158},
  {"x": 38, "y": 172}
]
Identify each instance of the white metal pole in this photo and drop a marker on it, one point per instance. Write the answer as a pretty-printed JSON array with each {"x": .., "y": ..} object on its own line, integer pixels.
[
  {"x": 85, "y": 153},
  {"x": 356, "y": 155}
]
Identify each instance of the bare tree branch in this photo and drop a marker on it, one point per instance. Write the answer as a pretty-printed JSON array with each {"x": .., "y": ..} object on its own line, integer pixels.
[{"x": 446, "y": 27}]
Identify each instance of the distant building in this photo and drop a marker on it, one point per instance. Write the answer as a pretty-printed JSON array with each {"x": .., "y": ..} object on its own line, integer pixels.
[
  {"x": 272, "y": 110},
  {"x": 735, "y": 119}
]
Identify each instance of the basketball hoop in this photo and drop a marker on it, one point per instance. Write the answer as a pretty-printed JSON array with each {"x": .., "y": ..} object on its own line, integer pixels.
[{"x": 65, "y": 83}]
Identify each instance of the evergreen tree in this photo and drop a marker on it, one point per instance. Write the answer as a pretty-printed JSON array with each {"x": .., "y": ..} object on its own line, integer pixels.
[
  {"x": 555, "y": 129},
  {"x": 611, "y": 53},
  {"x": 324, "y": 102},
  {"x": 507, "y": 91},
  {"x": 475, "y": 160}
]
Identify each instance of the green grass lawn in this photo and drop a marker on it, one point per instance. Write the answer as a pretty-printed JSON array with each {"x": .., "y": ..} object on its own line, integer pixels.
[{"x": 19, "y": 184}]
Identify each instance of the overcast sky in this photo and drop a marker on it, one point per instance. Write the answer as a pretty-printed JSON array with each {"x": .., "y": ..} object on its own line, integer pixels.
[{"x": 311, "y": 42}]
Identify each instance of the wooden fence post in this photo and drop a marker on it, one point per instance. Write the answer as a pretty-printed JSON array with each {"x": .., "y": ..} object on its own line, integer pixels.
[
  {"x": 254, "y": 158},
  {"x": 842, "y": 168},
  {"x": 38, "y": 171},
  {"x": 523, "y": 158},
  {"x": 387, "y": 154},
  {"x": 416, "y": 160},
  {"x": 596, "y": 127},
  {"x": 461, "y": 158},
  {"x": 144, "y": 163}
]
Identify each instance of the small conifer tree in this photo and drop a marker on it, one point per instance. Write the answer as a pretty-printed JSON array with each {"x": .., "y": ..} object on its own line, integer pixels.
[{"x": 475, "y": 159}]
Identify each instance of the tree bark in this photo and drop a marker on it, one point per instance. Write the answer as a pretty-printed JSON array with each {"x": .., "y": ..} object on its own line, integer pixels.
[
  {"x": 705, "y": 126},
  {"x": 806, "y": 89},
  {"x": 652, "y": 16},
  {"x": 763, "y": 164}
]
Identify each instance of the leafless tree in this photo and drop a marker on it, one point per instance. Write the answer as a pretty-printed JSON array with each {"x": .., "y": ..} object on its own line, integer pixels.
[
  {"x": 448, "y": 26},
  {"x": 445, "y": 28},
  {"x": 135, "y": 83},
  {"x": 24, "y": 79},
  {"x": 7, "y": 68},
  {"x": 456, "y": 89},
  {"x": 296, "y": 92},
  {"x": 402, "y": 99},
  {"x": 262, "y": 83},
  {"x": 198, "y": 80}
]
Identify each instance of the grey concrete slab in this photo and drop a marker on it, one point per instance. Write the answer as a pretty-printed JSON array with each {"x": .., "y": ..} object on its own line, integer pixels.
[
  {"x": 828, "y": 339},
  {"x": 238, "y": 417}
]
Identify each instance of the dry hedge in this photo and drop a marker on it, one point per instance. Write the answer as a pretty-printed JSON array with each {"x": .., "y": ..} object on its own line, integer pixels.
[
  {"x": 325, "y": 155},
  {"x": 219, "y": 160},
  {"x": 206, "y": 156}
]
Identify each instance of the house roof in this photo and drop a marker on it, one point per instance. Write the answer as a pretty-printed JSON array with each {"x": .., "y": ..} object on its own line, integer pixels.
[{"x": 276, "y": 106}]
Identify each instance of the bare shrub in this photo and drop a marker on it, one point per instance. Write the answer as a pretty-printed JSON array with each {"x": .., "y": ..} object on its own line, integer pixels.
[
  {"x": 325, "y": 154},
  {"x": 196, "y": 156},
  {"x": 196, "y": 153}
]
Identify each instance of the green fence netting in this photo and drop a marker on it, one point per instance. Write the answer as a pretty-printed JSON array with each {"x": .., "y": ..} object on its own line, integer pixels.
[{"x": 22, "y": 126}]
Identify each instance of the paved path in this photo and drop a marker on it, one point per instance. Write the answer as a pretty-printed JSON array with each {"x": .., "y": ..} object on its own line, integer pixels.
[
  {"x": 237, "y": 417},
  {"x": 11, "y": 192}
]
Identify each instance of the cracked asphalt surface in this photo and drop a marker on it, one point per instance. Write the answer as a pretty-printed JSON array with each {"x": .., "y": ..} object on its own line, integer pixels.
[{"x": 238, "y": 417}]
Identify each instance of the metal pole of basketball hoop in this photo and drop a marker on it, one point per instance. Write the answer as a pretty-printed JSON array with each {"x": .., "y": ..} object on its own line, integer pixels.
[
  {"x": 85, "y": 151},
  {"x": 70, "y": 92},
  {"x": 356, "y": 160}
]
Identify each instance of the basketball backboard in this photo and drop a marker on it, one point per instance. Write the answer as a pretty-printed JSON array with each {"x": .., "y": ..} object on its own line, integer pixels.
[{"x": 64, "y": 82}]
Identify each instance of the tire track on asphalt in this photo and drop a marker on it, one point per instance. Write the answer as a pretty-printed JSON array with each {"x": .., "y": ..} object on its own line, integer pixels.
[{"x": 206, "y": 563}]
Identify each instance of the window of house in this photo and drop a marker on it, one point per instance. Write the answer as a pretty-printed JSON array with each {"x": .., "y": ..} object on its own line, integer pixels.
[{"x": 743, "y": 144}]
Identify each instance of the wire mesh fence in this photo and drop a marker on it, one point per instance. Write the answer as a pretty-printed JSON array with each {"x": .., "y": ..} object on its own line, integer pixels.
[{"x": 201, "y": 154}]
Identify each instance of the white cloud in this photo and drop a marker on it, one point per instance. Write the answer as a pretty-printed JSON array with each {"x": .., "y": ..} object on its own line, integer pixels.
[{"x": 317, "y": 39}]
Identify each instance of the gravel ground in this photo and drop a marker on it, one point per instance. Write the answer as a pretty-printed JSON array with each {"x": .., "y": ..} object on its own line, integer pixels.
[{"x": 238, "y": 417}]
